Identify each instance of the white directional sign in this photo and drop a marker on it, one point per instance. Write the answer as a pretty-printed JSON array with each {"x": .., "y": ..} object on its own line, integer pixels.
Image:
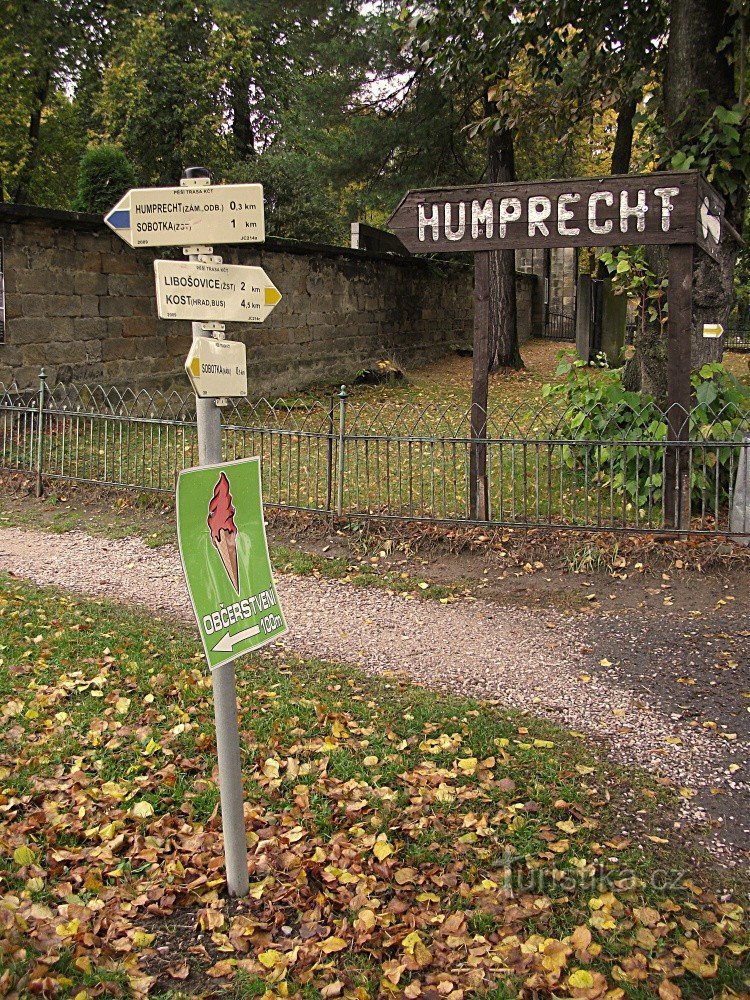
[
  {"x": 185, "y": 216},
  {"x": 228, "y": 293},
  {"x": 217, "y": 368}
]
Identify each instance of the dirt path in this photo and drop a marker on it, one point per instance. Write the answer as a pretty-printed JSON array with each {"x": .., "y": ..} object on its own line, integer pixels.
[{"x": 534, "y": 661}]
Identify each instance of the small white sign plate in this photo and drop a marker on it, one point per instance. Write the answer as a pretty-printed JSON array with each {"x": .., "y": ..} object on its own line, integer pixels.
[
  {"x": 227, "y": 293},
  {"x": 712, "y": 330},
  {"x": 185, "y": 216},
  {"x": 217, "y": 367}
]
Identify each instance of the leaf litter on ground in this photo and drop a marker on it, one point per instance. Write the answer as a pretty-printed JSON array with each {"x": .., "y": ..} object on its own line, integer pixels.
[{"x": 401, "y": 843}]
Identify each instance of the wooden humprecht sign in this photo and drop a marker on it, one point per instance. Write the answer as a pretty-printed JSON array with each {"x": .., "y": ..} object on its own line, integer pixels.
[
  {"x": 660, "y": 208},
  {"x": 677, "y": 209}
]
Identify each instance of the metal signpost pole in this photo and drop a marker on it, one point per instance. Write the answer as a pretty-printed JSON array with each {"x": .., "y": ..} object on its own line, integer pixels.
[{"x": 208, "y": 418}]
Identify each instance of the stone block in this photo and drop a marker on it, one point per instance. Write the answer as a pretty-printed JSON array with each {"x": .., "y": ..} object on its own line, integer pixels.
[
  {"x": 125, "y": 284},
  {"x": 25, "y": 376},
  {"x": 116, "y": 305},
  {"x": 144, "y": 305},
  {"x": 14, "y": 306},
  {"x": 121, "y": 263},
  {"x": 34, "y": 354},
  {"x": 91, "y": 262},
  {"x": 138, "y": 326},
  {"x": 119, "y": 349},
  {"x": 89, "y": 283},
  {"x": 89, "y": 305},
  {"x": 65, "y": 353},
  {"x": 91, "y": 241},
  {"x": 90, "y": 328}
]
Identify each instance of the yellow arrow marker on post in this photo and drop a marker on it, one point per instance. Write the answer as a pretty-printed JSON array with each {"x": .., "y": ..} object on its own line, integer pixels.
[
  {"x": 712, "y": 330},
  {"x": 217, "y": 368}
]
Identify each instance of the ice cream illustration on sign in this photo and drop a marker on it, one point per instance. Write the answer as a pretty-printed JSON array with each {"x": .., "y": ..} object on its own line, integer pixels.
[{"x": 223, "y": 530}]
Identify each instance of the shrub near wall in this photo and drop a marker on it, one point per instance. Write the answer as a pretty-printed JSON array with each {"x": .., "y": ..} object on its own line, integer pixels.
[{"x": 595, "y": 408}]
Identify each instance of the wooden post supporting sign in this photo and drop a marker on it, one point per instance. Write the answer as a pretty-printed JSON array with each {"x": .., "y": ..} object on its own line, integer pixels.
[
  {"x": 478, "y": 487},
  {"x": 677, "y": 458}
]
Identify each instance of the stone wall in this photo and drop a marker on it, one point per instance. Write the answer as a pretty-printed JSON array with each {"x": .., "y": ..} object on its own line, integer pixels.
[{"x": 81, "y": 303}]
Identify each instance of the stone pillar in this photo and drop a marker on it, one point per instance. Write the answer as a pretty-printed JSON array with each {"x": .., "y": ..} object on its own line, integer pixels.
[
  {"x": 739, "y": 518},
  {"x": 584, "y": 325},
  {"x": 614, "y": 321}
]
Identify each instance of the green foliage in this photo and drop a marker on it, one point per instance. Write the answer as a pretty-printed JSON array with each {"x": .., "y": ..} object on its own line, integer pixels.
[
  {"x": 299, "y": 204},
  {"x": 632, "y": 275},
  {"x": 104, "y": 176},
  {"x": 719, "y": 147},
  {"x": 161, "y": 96},
  {"x": 611, "y": 431},
  {"x": 50, "y": 58}
]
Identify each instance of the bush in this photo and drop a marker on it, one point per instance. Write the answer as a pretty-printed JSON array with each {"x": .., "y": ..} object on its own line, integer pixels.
[
  {"x": 104, "y": 175},
  {"x": 595, "y": 408}
]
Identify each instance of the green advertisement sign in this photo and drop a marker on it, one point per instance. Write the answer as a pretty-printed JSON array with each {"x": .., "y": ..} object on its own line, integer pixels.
[{"x": 222, "y": 539}]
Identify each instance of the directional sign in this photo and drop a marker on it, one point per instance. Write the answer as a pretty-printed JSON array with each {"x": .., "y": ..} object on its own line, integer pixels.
[
  {"x": 187, "y": 289},
  {"x": 217, "y": 368},
  {"x": 712, "y": 330},
  {"x": 184, "y": 216},
  {"x": 222, "y": 539},
  {"x": 661, "y": 208}
]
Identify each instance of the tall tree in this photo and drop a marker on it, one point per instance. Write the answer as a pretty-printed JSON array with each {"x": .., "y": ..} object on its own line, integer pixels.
[
  {"x": 162, "y": 98},
  {"x": 700, "y": 122},
  {"x": 46, "y": 47},
  {"x": 706, "y": 126},
  {"x": 473, "y": 45}
]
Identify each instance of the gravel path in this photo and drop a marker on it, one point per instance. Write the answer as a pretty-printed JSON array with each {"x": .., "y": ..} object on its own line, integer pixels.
[{"x": 526, "y": 659}]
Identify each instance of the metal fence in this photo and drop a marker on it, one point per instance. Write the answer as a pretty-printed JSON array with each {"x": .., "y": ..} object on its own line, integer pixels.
[
  {"x": 560, "y": 326},
  {"x": 392, "y": 460},
  {"x": 737, "y": 337}
]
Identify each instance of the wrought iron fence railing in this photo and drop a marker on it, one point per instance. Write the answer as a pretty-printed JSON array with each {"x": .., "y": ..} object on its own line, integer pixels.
[
  {"x": 737, "y": 337},
  {"x": 395, "y": 460},
  {"x": 560, "y": 326}
]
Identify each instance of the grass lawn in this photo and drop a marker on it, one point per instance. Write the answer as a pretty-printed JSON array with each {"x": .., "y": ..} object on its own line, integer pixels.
[{"x": 402, "y": 844}]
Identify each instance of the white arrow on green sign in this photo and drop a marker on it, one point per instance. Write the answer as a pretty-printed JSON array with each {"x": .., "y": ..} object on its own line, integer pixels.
[{"x": 222, "y": 539}]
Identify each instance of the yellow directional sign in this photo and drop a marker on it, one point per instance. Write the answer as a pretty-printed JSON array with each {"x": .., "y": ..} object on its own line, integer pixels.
[
  {"x": 217, "y": 368},
  {"x": 206, "y": 290},
  {"x": 712, "y": 330}
]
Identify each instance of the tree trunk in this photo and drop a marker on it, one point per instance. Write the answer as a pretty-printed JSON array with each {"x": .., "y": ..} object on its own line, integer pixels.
[
  {"x": 699, "y": 78},
  {"x": 620, "y": 164},
  {"x": 504, "y": 352},
  {"x": 623, "y": 147},
  {"x": 242, "y": 126},
  {"x": 26, "y": 173}
]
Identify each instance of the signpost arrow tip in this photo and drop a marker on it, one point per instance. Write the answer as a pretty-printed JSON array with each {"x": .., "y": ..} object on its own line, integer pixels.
[
  {"x": 118, "y": 218},
  {"x": 272, "y": 295}
]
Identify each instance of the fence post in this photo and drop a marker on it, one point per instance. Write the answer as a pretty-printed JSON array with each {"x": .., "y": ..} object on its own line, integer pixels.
[
  {"x": 739, "y": 516},
  {"x": 329, "y": 455},
  {"x": 342, "y": 444},
  {"x": 40, "y": 431}
]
